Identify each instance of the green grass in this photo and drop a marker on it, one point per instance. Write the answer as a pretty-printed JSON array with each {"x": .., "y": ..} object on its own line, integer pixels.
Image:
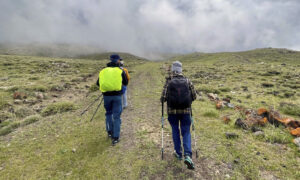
[
  {"x": 58, "y": 107},
  {"x": 60, "y": 144}
]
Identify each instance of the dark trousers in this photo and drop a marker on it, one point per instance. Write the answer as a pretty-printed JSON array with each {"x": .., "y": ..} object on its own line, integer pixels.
[
  {"x": 184, "y": 121},
  {"x": 113, "y": 107}
]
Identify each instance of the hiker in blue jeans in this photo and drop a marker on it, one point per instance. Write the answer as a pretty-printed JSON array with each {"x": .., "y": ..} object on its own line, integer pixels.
[
  {"x": 111, "y": 79},
  {"x": 179, "y": 93}
]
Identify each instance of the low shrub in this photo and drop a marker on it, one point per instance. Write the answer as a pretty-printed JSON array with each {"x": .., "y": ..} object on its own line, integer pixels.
[{"x": 58, "y": 108}]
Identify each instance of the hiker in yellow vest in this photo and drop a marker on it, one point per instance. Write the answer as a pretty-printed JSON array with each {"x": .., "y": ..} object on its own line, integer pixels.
[
  {"x": 111, "y": 79},
  {"x": 124, "y": 88}
]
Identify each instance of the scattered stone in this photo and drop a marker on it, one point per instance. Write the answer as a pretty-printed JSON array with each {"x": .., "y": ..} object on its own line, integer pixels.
[
  {"x": 30, "y": 102},
  {"x": 4, "y": 78},
  {"x": 258, "y": 153},
  {"x": 297, "y": 142},
  {"x": 19, "y": 95},
  {"x": 74, "y": 150},
  {"x": 212, "y": 96},
  {"x": 39, "y": 95},
  {"x": 1, "y": 168},
  {"x": 55, "y": 95},
  {"x": 255, "y": 129},
  {"x": 295, "y": 132},
  {"x": 284, "y": 166},
  {"x": 226, "y": 100},
  {"x": 231, "y": 135},
  {"x": 87, "y": 86},
  {"x": 57, "y": 88},
  {"x": 37, "y": 108},
  {"x": 239, "y": 123},
  {"x": 17, "y": 101},
  {"x": 230, "y": 105},
  {"x": 67, "y": 85},
  {"x": 226, "y": 119},
  {"x": 236, "y": 161},
  {"x": 267, "y": 85},
  {"x": 259, "y": 134},
  {"x": 227, "y": 176},
  {"x": 11, "y": 109},
  {"x": 245, "y": 88},
  {"x": 239, "y": 101},
  {"x": 220, "y": 104}
]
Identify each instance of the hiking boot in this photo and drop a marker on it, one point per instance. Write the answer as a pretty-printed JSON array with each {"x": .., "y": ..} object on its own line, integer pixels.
[
  {"x": 109, "y": 134},
  {"x": 115, "y": 141},
  {"x": 188, "y": 162},
  {"x": 177, "y": 156}
]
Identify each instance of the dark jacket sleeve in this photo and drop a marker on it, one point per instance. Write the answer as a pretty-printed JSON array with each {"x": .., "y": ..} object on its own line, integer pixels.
[
  {"x": 97, "y": 83},
  {"x": 124, "y": 78},
  {"x": 192, "y": 89}
]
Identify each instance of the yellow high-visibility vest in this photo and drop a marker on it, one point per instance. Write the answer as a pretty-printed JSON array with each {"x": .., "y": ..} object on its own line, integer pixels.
[{"x": 110, "y": 79}]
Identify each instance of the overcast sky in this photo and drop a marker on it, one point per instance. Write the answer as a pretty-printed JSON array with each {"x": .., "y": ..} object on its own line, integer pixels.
[{"x": 143, "y": 26}]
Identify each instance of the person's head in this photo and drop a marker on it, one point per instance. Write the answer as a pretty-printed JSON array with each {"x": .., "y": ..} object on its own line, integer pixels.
[
  {"x": 115, "y": 58},
  {"x": 177, "y": 67}
]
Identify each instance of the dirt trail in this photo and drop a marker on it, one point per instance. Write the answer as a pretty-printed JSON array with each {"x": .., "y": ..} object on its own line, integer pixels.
[{"x": 144, "y": 115}]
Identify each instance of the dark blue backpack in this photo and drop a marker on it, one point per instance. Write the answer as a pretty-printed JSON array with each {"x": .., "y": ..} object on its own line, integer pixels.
[{"x": 179, "y": 93}]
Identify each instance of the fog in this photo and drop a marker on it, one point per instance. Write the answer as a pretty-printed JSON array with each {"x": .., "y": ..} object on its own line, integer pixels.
[{"x": 152, "y": 27}]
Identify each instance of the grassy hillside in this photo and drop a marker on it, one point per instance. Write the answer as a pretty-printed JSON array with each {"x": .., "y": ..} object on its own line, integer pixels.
[{"x": 43, "y": 136}]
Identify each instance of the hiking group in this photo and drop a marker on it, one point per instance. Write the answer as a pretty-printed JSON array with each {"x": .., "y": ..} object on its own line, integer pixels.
[{"x": 178, "y": 92}]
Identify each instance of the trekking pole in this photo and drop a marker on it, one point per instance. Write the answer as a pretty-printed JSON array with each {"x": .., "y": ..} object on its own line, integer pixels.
[
  {"x": 90, "y": 105},
  {"x": 162, "y": 131},
  {"x": 97, "y": 109},
  {"x": 193, "y": 128}
]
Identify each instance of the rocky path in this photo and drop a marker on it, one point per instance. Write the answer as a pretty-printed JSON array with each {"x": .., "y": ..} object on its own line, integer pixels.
[{"x": 144, "y": 117}]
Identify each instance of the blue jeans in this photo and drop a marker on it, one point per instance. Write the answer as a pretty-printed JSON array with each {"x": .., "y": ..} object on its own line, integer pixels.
[
  {"x": 124, "y": 99},
  {"x": 113, "y": 107},
  {"x": 185, "y": 124}
]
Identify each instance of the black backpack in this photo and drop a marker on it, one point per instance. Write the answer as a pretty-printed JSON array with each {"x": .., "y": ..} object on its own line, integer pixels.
[{"x": 179, "y": 94}]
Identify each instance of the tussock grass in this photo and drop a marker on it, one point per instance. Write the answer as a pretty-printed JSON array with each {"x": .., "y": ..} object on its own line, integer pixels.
[
  {"x": 39, "y": 88},
  {"x": 30, "y": 120},
  {"x": 23, "y": 112},
  {"x": 3, "y": 104},
  {"x": 9, "y": 128},
  {"x": 94, "y": 88},
  {"x": 290, "y": 109},
  {"x": 58, "y": 107},
  {"x": 211, "y": 113},
  {"x": 277, "y": 135}
]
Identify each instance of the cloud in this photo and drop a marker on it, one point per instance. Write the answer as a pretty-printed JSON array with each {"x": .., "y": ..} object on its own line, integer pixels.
[{"x": 153, "y": 26}]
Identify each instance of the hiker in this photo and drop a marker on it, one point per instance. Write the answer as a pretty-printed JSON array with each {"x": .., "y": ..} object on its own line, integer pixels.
[
  {"x": 111, "y": 79},
  {"x": 179, "y": 93},
  {"x": 124, "y": 88}
]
